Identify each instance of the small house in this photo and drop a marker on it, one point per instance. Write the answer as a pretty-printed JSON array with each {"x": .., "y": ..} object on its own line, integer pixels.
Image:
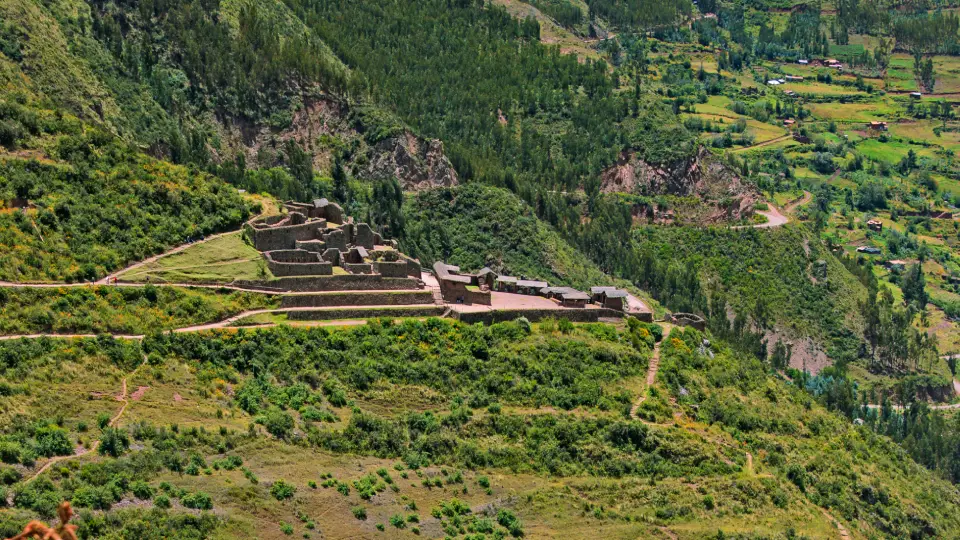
[
  {"x": 875, "y": 225},
  {"x": 916, "y": 95},
  {"x": 506, "y": 284},
  {"x": 789, "y": 122},
  {"x": 574, "y": 299},
  {"x": 869, "y": 250},
  {"x": 773, "y": 82},
  {"x": 803, "y": 62},
  {"x": 790, "y": 93},
  {"x": 877, "y": 126},
  {"x": 609, "y": 297},
  {"x": 485, "y": 278},
  {"x": 530, "y": 286},
  {"x": 794, "y": 78}
]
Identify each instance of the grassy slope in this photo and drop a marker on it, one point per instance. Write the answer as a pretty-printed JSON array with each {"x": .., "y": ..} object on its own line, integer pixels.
[
  {"x": 220, "y": 260},
  {"x": 774, "y": 265},
  {"x": 119, "y": 310},
  {"x": 739, "y": 409}
]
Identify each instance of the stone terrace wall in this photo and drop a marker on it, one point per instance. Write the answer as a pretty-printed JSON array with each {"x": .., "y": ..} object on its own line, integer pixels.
[
  {"x": 351, "y": 282},
  {"x": 393, "y": 269},
  {"x": 535, "y": 315},
  {"x": 293, "y": 262},
  {"x": 358, "y": 298},
  {"x": 364, "y": 313}
]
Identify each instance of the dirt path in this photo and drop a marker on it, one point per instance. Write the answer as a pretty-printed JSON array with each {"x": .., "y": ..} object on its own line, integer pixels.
[
  {"x": 123, "y": 398},
  {"x": 807, "y": 197},
  {"x": 841, "y": 530},
  {"x": 651, "y": 371}
]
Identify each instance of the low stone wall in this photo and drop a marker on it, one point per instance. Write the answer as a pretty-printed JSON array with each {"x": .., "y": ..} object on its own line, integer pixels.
[
  {"x": 358, "y": 298},
  {"x": 392, "y": 269},
  {"x": 689, "y": 319},
  {"x": 358, "y": 268},
  {"x": 535, "y": 315},
  {"x": 413, "y": 266},
  {"x": 350, "y": 282},
  {"x": 364, "y": 313},
  {"x": 296, "y": 262}
]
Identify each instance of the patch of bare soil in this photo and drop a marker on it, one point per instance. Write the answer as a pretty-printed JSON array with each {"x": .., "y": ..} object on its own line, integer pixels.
[{"x": 141, "y": 390}]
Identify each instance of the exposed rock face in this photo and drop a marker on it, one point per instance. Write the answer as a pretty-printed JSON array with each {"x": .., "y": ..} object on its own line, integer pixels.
[
  {"x": 322, "y": 126},
  {"x": 417, "y": 163},
  {"x": 724, "y": 196}
]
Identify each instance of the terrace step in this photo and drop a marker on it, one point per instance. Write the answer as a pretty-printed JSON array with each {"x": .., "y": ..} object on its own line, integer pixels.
[{"x": 357, "y": 298}]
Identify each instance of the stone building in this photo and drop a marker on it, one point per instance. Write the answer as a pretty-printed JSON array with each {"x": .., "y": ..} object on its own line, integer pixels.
[{"x": 316, "y": 240}]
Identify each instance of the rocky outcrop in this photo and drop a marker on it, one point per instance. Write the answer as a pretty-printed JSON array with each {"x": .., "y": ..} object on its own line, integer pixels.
[
  {"x": 721, "y": 193},
  {"x": 417, "y": 163},
  {"x": 324, "y": 126}
]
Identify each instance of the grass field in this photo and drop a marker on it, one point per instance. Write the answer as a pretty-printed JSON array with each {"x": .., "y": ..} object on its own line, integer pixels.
[{"x": 220, "y": 260}]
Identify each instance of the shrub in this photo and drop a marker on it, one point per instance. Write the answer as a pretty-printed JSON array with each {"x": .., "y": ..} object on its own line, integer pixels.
[
  {"x": 114, "y": 442},
  {"x": 198, "y": 501},
  {"x": 161, "y": 501},
  {"x": 286, "y": 528},
  {"x": 397, "y": 521},
  {"x": 359, "y": 512},
  {"x": 282, "y": 490},
  {"x": 142, "y": 490},
  {"x": 483, "y": 481}
]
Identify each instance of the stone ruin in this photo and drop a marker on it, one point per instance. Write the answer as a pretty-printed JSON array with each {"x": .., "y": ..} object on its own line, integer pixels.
[{"x": 314, "y": 239}]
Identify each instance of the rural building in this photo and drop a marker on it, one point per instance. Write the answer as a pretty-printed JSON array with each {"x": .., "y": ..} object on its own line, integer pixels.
[
  {"x": 789, "y": 122},
  {"x": 574, "y": 299},
  {"x": 609, "y": 297},
  {"x": 803, "y": 62},
  {"x": 790, "y": 93},
  {"x": 773, "y": 82},
  {"x": 877, "y": 126},
  {"x": 506, "y": 284},
  {"x": 530, "y": 286},
  {"x": 794, "y": 78},
  {"x": 916, "y": 95},
  {"x": 875, "y": 225},
  {"x": 869, "y": 250}
]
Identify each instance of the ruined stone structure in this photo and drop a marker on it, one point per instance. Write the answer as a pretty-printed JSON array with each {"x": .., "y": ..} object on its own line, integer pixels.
[
  {"x": 457, "y": 288},
  {"x": 316, "y": 240}
]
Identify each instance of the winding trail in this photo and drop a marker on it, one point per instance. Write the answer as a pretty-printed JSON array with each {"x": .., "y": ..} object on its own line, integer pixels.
[
  {"x": 123, "y": 398},
  {"x": 776, "y": 218}
]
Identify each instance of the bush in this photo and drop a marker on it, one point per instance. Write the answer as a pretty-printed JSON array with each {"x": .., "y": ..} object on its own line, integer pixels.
[
  {"x": 359, "y": 512},
  {"x": 282, "y": 490},
  {"x": 161, "y": 501},
  {"x": 278, "y": 423},
  {"x": 198, "y": 501},
  {"x": 397, "y": 521},
  {"x": 142, "y": 490},
  {"x": 114, "y": 442},
  {"x": 286, "y": 528}
]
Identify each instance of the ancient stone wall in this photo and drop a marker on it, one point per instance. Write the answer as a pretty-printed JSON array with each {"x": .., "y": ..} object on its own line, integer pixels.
[
  {"x": 394, "y": 269},
  {"x": 358, "y": 268},
  {"x": 535, "y": 315},
  {"x": 283, "y": 237},
  {"x": 349, "y": 282},
  {"x": 296, "y": 262},
  {"x": 358, "y": 298},
  {"x": 365, "y": 313}
]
